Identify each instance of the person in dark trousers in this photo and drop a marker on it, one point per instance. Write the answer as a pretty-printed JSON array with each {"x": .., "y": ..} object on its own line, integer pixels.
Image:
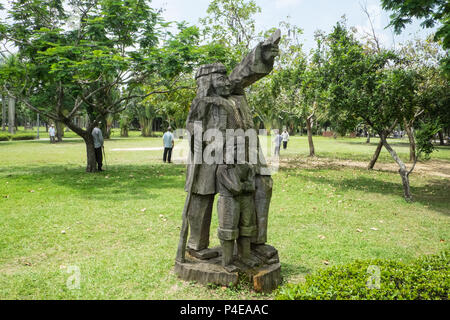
[
  {"x": 285, "y": 136},
  {"x": 277, "y": 141},
  {"x": 169, "y": 142},
  {"x": 98, "y": 145},
  {"x": 52, "y": 133}
]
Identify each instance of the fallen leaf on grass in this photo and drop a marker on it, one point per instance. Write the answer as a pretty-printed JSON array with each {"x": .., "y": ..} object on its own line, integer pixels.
[
  {"x": 326, "y": 262},
  {"x": 143, "y": 210},
  {"x": 6, "y": 196},
  {"x": 359, "y": 230},
  {"x": 374, "y": 229},
  {"x": 442, "y": 240},
  {"x": 322, "y": 237},
  {"x": 32, "y": 191}
]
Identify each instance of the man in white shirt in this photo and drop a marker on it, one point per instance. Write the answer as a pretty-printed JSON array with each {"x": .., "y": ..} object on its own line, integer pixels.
[
  {"x": 285, "y": 136},
  {"x": 169, "y": 142},
  {"x": 52, "y": 133}
]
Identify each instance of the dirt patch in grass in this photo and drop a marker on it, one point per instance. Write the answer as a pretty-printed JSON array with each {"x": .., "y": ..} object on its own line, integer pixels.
[{"x": 432, "y": 168}]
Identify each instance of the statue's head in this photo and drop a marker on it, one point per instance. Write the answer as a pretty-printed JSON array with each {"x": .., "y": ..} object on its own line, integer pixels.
[{"x": 212, "y": 80}]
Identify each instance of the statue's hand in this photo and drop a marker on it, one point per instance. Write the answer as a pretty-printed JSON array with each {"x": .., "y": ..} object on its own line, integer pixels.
[
  {"x": 270, "y": 52},
  {"x": 270, "y": 46}
]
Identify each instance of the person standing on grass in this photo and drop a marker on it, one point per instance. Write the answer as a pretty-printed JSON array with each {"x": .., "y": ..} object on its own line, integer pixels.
[
  {"x": 169, "y": 142},
  {"x": 98, "y": 145},
  {"x": 277, "y": 142},
  {"x": 285, "y": 136},
  {"x": 52, "y": 133}
]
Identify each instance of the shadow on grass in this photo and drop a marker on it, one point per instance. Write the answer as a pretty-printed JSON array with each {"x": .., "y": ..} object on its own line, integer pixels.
[
  {"x": 433, "y": 194},
  {"x": 119, "y": 182},
  {"x": 374, "y": 144},
  {"x": 288, "y": 270},
  {"x": 66, "y": 141}
]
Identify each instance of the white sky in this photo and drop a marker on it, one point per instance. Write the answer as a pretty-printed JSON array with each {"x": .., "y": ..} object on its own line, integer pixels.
[{"x": 310, "y": 15}]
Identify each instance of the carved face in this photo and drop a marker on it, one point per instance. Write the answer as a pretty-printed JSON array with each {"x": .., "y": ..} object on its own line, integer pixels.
[{"x": 221, "y": 84}]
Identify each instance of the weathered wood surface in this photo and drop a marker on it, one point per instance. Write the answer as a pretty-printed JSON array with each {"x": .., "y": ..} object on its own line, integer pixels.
[{"x": 265, "y": 277}]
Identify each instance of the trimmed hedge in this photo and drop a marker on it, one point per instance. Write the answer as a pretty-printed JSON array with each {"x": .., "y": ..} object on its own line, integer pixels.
[
  {"x": 17, "y": 136},
  {"x": 23, "y": 136},
  {"x": 5, "y": 136},
  {"x": 427, "y": 278}
]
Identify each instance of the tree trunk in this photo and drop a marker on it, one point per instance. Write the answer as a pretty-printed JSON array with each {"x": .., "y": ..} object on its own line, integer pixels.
[
  {"x": 310, "y": 139},
  {"x": 59, "y": 131},
  {"x": 375, "y": 155},
  {"x": 146, "y": 126},
  {"x": 3, "y": 112},
  {"x": 412, "y": 143},
  {"x": 404, "y": 174},
  {"x": 11, "y": 114},
  {"x": 368, "y": 137},
  {"x": 441, "y": 137},
  {"x": 124, "y": 132},
  {"x": 268, "y": 125},
  {"x": 90, "y": 153},
  {"x": 91, "y": 165}
]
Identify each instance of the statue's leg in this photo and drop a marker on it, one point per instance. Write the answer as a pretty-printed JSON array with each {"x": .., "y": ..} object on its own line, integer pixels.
[
  {"x": 247, "y": 228},
  {"x": 228, "y": 232},
  {"x": 263, "y": 195},
  {"x": 199, "y": 213}
]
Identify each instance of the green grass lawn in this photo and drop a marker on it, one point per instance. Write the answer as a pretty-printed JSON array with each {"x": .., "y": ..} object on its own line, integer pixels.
[{"x": 121, "y": 227}]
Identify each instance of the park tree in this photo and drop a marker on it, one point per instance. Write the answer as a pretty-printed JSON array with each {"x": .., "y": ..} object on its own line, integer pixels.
[
  {"x": 83, "y": 54},
  {"x": 367, "y": 85},
  {"x": 231, "y": 23},
  {"x": 299, "y": 81},
  {"x": 431, "y": 12},
  {"x": 271, "y": 98},
  {"x": 424, "y": 56}
]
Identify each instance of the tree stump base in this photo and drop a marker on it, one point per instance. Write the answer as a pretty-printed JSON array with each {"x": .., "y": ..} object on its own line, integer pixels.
[{"x": 265, "y": 276}]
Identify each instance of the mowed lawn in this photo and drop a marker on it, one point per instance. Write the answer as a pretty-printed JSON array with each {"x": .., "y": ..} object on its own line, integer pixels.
[{"x": 120, "y": 228}]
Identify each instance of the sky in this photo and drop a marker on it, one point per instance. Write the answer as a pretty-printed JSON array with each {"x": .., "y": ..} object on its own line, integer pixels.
[{"x": 310, "y": 15}]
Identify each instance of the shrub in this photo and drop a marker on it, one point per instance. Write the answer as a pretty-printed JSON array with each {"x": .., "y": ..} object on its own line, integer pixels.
[
  {"x": 5, "y": 136},
  {"x": 17, "y": 136},
  {"x": 23, "y": 136},
  {"x": 427, "y": 278}
]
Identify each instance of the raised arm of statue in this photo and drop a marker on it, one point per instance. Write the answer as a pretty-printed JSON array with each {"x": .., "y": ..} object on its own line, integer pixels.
[{"x": 257, "y": 64}]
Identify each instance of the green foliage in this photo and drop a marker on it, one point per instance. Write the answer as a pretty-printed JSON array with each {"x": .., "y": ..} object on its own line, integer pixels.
[
  {"x": 357, "y": 83},
  {"x": 431, "y": 11},
  {"x": 425, "y": 279},
  {"x": 5, "y": 136},
  {"x": 17, "y": 136},
  {"x": 78, "y": 58},
  {"x": 231, "y": 23},
  {"x": 424, "y": 136}
]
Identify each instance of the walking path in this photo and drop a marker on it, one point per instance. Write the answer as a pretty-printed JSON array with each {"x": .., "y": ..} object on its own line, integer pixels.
[{"x": 139, "y": 149}]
